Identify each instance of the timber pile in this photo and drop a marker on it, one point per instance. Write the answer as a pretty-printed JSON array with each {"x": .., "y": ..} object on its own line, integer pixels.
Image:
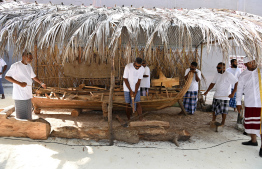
[
  {"x": 11, "y": 127},
  {"x": 138, "y": 130}
]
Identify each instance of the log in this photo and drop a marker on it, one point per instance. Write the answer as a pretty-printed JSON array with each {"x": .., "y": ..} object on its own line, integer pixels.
[
  {"x": 163, "y": 124},
  {"x": 34, "y": 129},
  {"x": 76, "y": 112},
  {"x": 105, "y": 110},
  {"x": 8, "y": 110},
  {"x": 184, "y": 135}
]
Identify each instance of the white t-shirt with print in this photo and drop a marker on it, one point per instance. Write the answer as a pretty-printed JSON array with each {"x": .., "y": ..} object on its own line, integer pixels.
[
  {"x": 21, "y": 73},
  {"x": 145, "y": 82},
  {"x": 194, "y": 83},
  {"x": 132, "y": 75},
  {"x": 2, "y": 64},
  {"x": 223, "y": 85}
]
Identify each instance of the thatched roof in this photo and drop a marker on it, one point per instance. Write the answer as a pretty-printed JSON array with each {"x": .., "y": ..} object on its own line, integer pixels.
[{"x": 68, "y": 27}]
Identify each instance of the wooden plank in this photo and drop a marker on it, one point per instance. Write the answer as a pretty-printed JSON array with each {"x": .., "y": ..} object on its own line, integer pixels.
[{"x": 8, "y": 110}]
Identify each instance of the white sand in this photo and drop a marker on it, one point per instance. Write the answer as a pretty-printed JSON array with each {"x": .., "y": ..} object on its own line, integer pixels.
[{"x": 223, "y": 151}]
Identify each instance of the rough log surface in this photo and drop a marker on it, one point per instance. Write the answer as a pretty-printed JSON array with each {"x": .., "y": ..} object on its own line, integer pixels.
[
  {"x": 8, "y": 110},
  {"x": 149, "y": 124},
  {"x": 34, "y": 129}
]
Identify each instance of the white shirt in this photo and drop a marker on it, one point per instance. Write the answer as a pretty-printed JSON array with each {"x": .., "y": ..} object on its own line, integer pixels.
[
  {"x": 194, "y": 83},
  {"x": 132, "y": 75},
  {"x": 21, "y": 73},
  {"x": 249, "y": 85},
  {"x": 145, "y": 82},
  {"x": 235, "y": 71},
  {"x": 223, "y": 85},
  {"x": 2, "y": 64}
]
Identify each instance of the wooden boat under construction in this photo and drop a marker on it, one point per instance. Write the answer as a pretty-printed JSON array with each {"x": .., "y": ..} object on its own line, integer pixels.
[{"x": 95, "y": 98}]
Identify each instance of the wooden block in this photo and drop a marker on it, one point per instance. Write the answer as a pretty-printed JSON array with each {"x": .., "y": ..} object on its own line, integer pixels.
[
  {"x": 184, "y": 135},
  {"x": 76, "y": 112},
  {"x": 8, "y": 110},
  {"x": 34, "y": 129},
  {"x": 164, "y": 124}
]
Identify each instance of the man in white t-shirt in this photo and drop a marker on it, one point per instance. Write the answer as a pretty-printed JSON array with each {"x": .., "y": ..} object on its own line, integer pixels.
[
  {"x": 3, "y": 67},
  {"x": 21, "y": 74},
  {"x": 190, "y": 98},
  {"x": 133, "y": 74},
  {"x": 223, "y": 81},
  {"x": 236, "y": 72},
  {"x": 145, "y": 82}
]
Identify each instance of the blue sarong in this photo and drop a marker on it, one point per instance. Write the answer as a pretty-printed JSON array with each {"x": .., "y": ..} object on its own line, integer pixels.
[
  {"x": 190, "y": 101},
  {"x": 232, "y": 101}
]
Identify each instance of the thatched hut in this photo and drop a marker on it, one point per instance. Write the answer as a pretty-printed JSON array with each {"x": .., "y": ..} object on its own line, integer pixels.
[{"x": 102, "y": 40}]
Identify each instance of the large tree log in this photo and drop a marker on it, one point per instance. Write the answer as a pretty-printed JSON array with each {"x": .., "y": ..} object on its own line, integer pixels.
[
  {"x": 149, "y": 124},
  {"x": 34, "y": 129}
]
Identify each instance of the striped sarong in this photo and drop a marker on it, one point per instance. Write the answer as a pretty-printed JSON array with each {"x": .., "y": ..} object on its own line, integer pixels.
[
  {"x": 1, "y": 87},
  {"x": 252, "y": 121},
  {"x": 220, "y": 106},
  {"x": 190, "y": 101},
  {"x": 232, "y": 101},
  {"x": 129, "y": 100},
  {"x": 23, "y": 109}
]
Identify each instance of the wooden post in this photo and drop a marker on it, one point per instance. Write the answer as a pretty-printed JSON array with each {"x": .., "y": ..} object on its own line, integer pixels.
[
  {"x": 201, "y": 54},
  {"x": 110, "y": 102},
  {"x": 36, "y": 60}
]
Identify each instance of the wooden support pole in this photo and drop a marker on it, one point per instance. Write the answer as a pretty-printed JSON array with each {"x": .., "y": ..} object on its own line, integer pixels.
[
  {"x": 201, "y": 54},
  {"x": 110, "y": 102}
]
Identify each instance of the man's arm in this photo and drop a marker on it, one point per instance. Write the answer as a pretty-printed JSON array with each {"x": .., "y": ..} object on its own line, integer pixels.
[
  {"x": 137, "y": 86},
  {"x": 10, "y": 79},
  {"x": 128, "y": 86},
  {"x": 234, "y": 91},
  {"x": 209, "y": 88},
  {"x": 4, "y": 69},
  {"x": 41, "y": 83},
  {"x": 240, "y": 88},
  {"x": 197, "y": 78}
]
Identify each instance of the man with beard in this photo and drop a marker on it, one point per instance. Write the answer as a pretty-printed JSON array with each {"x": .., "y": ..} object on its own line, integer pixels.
[
  {"x": 223, "y": 81},
  {"x": 250, "y": 84},
  {"x": 236, "y": 72},
  {"x": 21, "y": 74}
]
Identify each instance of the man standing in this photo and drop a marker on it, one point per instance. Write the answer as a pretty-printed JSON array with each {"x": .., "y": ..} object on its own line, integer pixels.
[
  {"x": 133, "y": 74},
  {"x": 250, "y": 84},
  {"x": 190, "y": 100},
  {"x": 21, "y": 74},
  {"x": 223, "y": 81},
  {"x": 3, "y": 67},
  {"x": 236, "y": 72},
  {"x": 145, "y": 82}
]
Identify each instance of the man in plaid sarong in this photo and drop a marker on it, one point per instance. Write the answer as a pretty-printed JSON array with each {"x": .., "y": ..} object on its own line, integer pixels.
[
  {"x": 190, "y": 98},
  {"x": 223, "y": 81}
]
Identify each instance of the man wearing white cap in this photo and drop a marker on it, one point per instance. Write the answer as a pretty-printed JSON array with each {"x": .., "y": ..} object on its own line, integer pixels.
[{"x": 249, "y": 84}]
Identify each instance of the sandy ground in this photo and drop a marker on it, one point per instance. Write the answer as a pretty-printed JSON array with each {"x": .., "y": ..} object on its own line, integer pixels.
[{"x": 205, "y": 149}]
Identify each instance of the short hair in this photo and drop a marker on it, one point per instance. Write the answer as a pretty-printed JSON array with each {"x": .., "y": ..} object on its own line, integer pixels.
[
  {"x": 221, "y": 63},
  {"x": 144, "y": 61},
  {"x": 194, "y": 64},
  {"x": 25, "y": 53},
  {"x": 232, "y": 61},
  {"x": 139, "y": 60}
]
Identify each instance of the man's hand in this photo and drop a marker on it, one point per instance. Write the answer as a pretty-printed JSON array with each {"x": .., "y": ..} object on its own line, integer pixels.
[
  {"x": 44, "y": 86},
  {"x": 193, "y": 70},
  {"x": 22, "y": 84},
  {"x": 231, "y": 95},
  {"x": 239, "y": 108},
  {"x": 132, "y": 94},
  {"x": 1, "y": 73}
]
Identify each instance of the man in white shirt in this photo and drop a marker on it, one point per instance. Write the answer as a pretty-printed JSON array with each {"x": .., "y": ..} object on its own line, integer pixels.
[
  {"x": 3, "y": 67},
  {"x": 236, "y": 72},
  {"x": 250, "y": 85},
  {"x": 145, "y": 82},
  {"x": 133, "y": 74},
  {"x": 223, "y": 81},
  {"x": 21, "y": 74},
  {"x": 190, "y": 98}
]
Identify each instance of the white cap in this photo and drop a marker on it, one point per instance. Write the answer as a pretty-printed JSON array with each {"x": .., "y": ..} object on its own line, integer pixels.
[{"x": 247, "y": 59}]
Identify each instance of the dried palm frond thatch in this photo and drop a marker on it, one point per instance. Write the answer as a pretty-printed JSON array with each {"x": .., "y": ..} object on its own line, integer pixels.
[{"x": 97, "y": 30}]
